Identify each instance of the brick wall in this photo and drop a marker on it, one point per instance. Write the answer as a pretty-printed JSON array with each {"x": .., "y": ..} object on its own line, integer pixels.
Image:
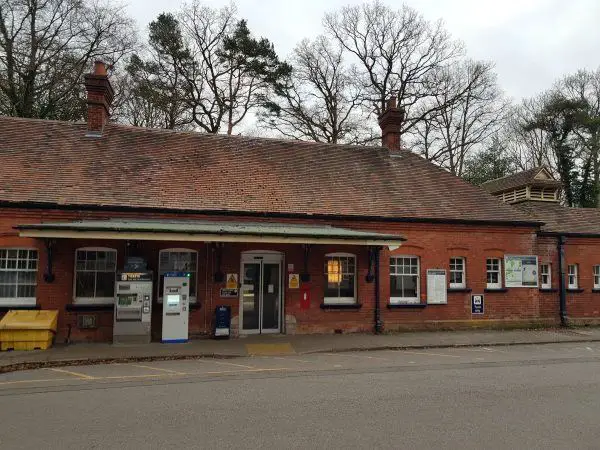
[
  {"x": 583, "y": 307},
  {"x": 434, "y": 244}
]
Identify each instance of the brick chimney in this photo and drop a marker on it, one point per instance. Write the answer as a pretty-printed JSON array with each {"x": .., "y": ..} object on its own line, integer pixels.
[
  {"x": 99, "y": 98},
  {"x": 391, "y": 122}
]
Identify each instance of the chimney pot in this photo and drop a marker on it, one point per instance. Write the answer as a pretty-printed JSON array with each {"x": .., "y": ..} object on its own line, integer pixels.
[
  {"x": 391, "y": 124},
  {"x": 99, "y": 98},
  {"x": 100, "y": 68}
]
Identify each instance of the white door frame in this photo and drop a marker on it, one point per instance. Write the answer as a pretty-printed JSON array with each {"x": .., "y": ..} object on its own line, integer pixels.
[{"x": 258, "y": 256}]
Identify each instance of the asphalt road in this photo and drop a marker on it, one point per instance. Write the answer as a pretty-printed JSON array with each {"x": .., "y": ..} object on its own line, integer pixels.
[{"x": 533, "y": 397}]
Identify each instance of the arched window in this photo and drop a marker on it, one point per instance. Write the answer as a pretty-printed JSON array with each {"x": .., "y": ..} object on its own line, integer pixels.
[
  {"x": 340, "y": 278},
  {"x": 95, "y": 269},
  {"x": 178, "y": 260}
]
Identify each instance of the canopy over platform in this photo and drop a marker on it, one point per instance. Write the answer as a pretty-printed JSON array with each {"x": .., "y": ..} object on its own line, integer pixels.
[{"x": 207, "y": 231}]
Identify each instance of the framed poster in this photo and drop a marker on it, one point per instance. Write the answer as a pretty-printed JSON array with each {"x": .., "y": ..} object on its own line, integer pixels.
[
  {"x": 436, "y": 287},
  {"x": 520, "y": 271}
]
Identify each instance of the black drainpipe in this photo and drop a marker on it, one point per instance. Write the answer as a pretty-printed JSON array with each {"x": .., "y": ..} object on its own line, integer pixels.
[
  {"x": 562, "y": 287},
  {"x": 378, "y": 323}
]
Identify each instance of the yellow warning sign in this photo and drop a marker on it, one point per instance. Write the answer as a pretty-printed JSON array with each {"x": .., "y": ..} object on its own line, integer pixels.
[
  {"x": 232, "y": 281},
  {"x": 294, "y": 281}
]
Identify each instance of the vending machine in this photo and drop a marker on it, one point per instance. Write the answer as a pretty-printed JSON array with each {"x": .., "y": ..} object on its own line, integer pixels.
[
  {"x": 133, "y": 307},
  {"x": 176, "y": 312}
]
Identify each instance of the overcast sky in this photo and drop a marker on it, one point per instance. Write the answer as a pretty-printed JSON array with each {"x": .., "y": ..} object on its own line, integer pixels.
[{"x": 532, "y": 42}]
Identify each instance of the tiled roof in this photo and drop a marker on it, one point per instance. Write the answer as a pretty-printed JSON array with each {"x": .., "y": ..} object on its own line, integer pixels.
[
  {"x": 517, "y": 180},
  {"x": 51, "y": 163},
  {"x": 562, "y": 219}
]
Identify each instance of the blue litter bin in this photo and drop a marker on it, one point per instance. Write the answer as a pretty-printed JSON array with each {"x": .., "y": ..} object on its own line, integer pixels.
[{"x": 222, "y": 322}]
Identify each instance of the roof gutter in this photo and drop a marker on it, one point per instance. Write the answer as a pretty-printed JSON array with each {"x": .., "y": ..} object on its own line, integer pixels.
[
  {"x": 336, "y": 217},
  {"x": 572, "y": 235}
]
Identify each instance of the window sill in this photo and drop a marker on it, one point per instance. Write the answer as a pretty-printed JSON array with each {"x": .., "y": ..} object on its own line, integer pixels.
[
  {"x": 406, "y": 305},
  {"x": 486, "y": 290},
  {"x": 341, "y": 305},
  {"x": 596, "y": 290},
  {"x": 19, "y": 307},
  {"x": 87, "y": 307},
  {"x": 575, "y": 290},
  {"x": 548, "y": 290},
  {"x": 451, "y": 290}
]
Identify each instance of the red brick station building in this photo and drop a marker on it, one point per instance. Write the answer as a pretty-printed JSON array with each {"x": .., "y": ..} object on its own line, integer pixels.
[{"x": 295, "y": 237}]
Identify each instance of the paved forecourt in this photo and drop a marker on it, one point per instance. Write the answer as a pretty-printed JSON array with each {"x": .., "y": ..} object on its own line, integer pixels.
[{"x": 285, "y": 364}]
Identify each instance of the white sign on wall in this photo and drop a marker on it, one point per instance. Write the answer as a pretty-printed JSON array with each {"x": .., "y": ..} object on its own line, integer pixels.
[
  {"x": 436, "y": 287},
  {"x": 520, "y": 271}
]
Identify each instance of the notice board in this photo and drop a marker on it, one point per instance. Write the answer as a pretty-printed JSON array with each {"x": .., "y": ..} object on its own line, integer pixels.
[
  {"x": 520, "y": 271},
  {"x": 436, "y": 287}
]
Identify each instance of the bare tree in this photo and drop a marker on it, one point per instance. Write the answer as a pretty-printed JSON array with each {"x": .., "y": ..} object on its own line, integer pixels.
[
  {"x": 528, "y": 147},
  {"x": 397, "y": 53},
  {"x": 321, "y": 102},
  {"x": 229, "y": 73},
  {"x": 47, "y": 45},
  {"x": 466, "y": 111}
]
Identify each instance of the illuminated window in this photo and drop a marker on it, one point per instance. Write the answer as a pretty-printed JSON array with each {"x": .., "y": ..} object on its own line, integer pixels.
[
  {"x": 334, "y": 271},
  {"x": 95, "y": 275},
  {"x": 18, "y": 276},
  {"x": 340, "y": 274}
]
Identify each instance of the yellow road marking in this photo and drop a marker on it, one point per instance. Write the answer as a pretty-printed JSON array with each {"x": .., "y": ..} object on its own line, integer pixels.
[
  {"x": 428, "y": 354},
  {"x": 225, "y": 363},
  {"x": 285, "y": 358},
  {"x": 176, "y": 372},
  {"x": 154, "y": 375},
  {"x": 148, "y": 375},
  {"x": 35, "y": 381},
  {"x": 75, "y": 374},
  {"x": 357, "y": 356},
  {"x": 219, "y": 372},
  {"x": 276, "y": 369}
]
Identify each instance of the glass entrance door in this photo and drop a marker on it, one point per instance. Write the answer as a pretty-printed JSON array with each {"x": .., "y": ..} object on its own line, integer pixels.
[{"x": 260, "y": 302}]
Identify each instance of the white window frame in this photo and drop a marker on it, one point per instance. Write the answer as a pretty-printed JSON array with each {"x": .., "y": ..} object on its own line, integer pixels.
[
  {"x": 596, "y": 270},
  {"x": 92, "y": 300},
  {"x": 497, "y": 285},
  {"x": 342, "y": 300},
  {"x": 573, "y": 273},
  {"x": 21, "y": 301},
  {"x": 548, "y": 284},
  {"x": 462, "y": 285},
  {"x": 193, "y": 299},
  {"x": 407, "y": 300}
]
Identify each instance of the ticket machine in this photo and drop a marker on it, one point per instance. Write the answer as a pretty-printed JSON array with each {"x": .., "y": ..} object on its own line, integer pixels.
[
  {"x": 133, "y": 307},
  {"x": 176, "y": 312}
]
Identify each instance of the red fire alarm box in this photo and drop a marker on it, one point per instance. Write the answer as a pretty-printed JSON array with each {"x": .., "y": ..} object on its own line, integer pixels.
[{"x": 305, "y": 296}]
